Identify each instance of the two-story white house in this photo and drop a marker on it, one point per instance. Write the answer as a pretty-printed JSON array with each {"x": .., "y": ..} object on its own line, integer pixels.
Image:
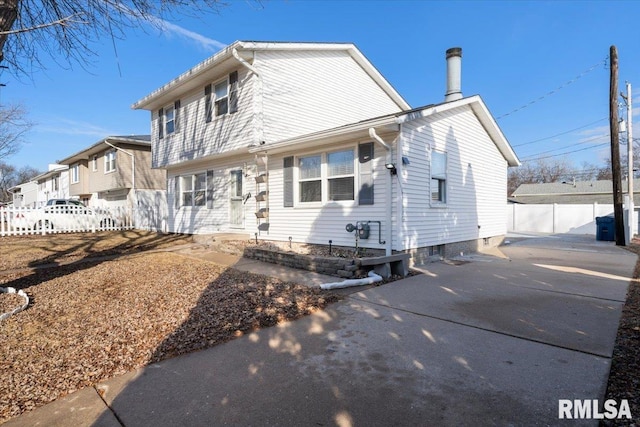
[
  {"x": 53, "y": 184},
  {"x": 295, "y": 141}
]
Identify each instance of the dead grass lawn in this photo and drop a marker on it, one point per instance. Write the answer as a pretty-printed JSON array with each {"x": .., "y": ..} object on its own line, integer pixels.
[{"x": 92, "y": 320}]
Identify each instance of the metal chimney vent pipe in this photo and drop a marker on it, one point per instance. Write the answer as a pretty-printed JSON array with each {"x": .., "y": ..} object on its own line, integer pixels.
[{"x": 454, "y": 72}]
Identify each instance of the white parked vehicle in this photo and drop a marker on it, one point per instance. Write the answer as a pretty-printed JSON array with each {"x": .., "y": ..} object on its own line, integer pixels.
[{"x": 64, "y": 215}]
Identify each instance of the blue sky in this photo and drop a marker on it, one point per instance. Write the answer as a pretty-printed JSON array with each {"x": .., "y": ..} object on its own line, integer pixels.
[{"x": 513, "y": 53}]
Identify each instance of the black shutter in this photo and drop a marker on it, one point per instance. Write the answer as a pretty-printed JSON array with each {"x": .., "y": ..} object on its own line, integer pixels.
[
  {"x": 207, "y": 104},
  {"x": 365, "y": 157},
  {"x": 161, "y": 123},
  {"x": 176, "y": 192},
  {"x": 176, "y": 116},
  {"x": 233, "y": 92},
  {"x": 210, "y": 189},
  {"x": 287, "y": 172}
]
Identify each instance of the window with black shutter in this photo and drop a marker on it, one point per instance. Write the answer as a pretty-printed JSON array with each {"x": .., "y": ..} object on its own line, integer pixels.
[
  {"x": 161, "y": 123},
  {"x": 233, "y": 92},
  {"x": 365, "y": 157},
  {"x": 208, "y": 112},
  {"x": 288, "y": 182}
]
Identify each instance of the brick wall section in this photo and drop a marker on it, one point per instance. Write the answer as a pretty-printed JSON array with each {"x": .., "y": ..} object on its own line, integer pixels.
[{"x": 333, "y": 266}]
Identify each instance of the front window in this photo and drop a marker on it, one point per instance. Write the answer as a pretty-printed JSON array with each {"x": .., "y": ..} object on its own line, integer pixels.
[
  {"x": 169, "y": 120},
  {"x": 327, "y": 177},
  {"x": 438, "y": 177},
  {"x": 194, "y": 189},
  {"x": 310, "y": 178},
  {"x": 75, "y": 174},
  {"x": 340, "y": 175},
  {"x": 110, "y": 161}
]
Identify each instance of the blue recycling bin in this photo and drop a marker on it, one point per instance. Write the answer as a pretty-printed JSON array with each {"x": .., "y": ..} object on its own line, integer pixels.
[{"x": 606, "y": 228}]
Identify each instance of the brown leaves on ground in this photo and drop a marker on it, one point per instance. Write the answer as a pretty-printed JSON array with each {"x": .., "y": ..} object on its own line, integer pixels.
[{"x": 90, "y": 321}]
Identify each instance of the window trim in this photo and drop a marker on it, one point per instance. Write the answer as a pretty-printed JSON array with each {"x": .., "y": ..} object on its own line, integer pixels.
[
  {"x": 211, "y": 100},
  {"x": 324, "y": 178},
  {"x": 94, "y": 163},
  {"x": 108, "y": 167},
  {"x": 194, "y": 189},
  {"x": 75, "y": 173},
  {"x": 441, "y": 180},
  {"x": 165, "y": 120}
]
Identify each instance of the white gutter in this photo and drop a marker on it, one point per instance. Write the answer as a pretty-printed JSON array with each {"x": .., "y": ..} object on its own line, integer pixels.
[
  {"x": 133, "y": 170},
  {"x": 388, "y": 245},
  {"x": 258, "y": 105}
]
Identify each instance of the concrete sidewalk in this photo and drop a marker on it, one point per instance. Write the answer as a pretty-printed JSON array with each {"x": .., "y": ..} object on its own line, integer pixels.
[{"x": 483, "y": 341}]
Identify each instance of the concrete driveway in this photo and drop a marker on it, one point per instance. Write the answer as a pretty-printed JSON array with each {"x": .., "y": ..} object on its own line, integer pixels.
[{"x": 480, "y": 341}]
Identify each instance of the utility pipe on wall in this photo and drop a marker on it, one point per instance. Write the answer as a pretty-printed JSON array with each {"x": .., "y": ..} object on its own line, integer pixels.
[{"x": 375, "y": 137}]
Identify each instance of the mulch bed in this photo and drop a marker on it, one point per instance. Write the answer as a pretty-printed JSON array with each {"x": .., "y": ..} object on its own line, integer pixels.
[{"x": 95, "y": 319}]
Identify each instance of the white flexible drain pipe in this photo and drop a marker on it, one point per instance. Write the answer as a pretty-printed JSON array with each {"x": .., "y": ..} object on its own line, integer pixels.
[
  {"x": 373, "y": 278},
  {"x": 19, "y": 309}
]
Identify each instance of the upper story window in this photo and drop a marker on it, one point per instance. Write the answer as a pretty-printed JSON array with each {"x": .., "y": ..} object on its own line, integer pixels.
[
  {"x": 438, "y": 177},
  {"x": 94, "y": 163},
  {"x": 110, "y": 161},
  {"x": 168, "y": 119},
  {"x": 75, "y": 173},
  {"x": 55, "y": 183},
  {"x": 221, "y": 98},
  {"x": 327, "y": 177}
]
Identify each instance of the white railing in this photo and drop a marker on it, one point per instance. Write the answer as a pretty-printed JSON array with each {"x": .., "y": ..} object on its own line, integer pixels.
[{"x": 63, "y": 219}]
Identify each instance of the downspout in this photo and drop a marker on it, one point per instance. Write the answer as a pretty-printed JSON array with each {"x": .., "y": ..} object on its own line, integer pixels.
[
  {"x": 133, "y": 174},
  {"x": 375, "y": 137},
  {"x": 258, "y": 111}
]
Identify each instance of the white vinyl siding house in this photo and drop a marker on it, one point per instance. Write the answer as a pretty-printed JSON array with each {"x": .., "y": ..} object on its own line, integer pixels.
[
  {"x": 475, "y": 185},
  {"x": 336, "y": 91},
  {"x": 293, "y": 141}
]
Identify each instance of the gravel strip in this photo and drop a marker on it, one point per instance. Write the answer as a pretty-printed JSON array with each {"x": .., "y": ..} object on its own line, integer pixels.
[{"x": 624, "y": 377}]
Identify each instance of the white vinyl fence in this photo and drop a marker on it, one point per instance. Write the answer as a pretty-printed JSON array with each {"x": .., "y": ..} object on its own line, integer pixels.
[
  {"x": 556, "y": 218},
  {"x": 62, "y": 219}
]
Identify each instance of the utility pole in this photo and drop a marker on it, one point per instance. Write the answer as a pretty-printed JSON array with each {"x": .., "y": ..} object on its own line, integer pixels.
[
  {"x": 615, "y": 148},
  {"x": 630, "y": 207}
]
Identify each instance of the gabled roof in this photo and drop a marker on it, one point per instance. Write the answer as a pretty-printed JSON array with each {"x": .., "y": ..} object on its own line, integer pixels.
[
  {"x": 50, "y": 173},
  {"x": 391, "y": 122},
  {"x": 577, "y": 187},
  {"x": 224, "y": 61},
  {"x": 139, "y": 140}
]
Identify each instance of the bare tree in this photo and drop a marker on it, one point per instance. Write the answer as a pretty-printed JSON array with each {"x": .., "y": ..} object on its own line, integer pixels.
[
  {"x": 66, "y": 29},
  {"x": 540, "y": 171},
  {"x": 13, "y": 127}
]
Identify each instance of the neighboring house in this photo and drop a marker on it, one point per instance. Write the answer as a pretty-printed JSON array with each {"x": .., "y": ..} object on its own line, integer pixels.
[
  {"x": 113, "y": 172},
  {"x": 571, "y": 193},
  {"x": 25, "y": 195},
  {"x": 53, "y": 184},
  {"x": 294, "y": 141}
]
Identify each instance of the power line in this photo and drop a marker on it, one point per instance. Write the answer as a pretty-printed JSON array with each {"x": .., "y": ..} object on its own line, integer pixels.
[
  {"x": 595, "y": 138},
  {"x": 593, "y": 67},
  {"x": 568, "y": 152},
  {"x": 561, "y": 133}
]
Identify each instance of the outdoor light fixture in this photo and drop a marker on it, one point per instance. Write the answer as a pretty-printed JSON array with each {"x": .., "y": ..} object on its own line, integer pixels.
[{"x": 392, "y": 168}]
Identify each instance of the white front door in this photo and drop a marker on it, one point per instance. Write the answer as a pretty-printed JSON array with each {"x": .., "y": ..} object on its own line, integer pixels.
[{"x": 236, "y": 203}]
